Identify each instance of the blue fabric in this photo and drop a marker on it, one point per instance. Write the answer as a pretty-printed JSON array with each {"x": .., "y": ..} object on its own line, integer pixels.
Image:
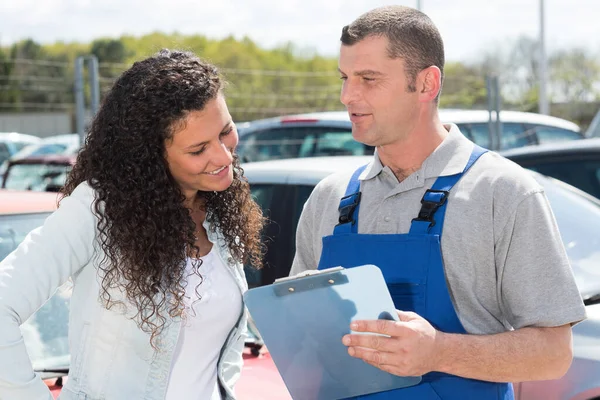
[{"x": 413, "y": 268}]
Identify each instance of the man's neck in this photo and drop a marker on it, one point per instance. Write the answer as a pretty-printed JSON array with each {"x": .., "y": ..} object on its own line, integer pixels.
[{"x": 406, "y": 156}]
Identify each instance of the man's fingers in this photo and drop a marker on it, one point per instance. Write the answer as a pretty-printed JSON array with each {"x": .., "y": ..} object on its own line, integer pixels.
[
  {"x": 406, "y": 316},
  {"x": 374, "y": 342},
  {"x": 373, "y": 357},
  {"x": 382, "y": 326}
]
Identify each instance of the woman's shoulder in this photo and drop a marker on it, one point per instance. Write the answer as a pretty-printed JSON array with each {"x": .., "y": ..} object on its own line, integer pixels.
[{"x": 83, "y": 194}]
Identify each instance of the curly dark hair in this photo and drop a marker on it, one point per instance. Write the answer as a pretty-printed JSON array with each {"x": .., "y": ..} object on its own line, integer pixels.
[{"x": 146, "y": 232}]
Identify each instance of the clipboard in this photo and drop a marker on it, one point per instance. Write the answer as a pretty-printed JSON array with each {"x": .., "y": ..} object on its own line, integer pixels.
[{"x": 302, "y": 320}]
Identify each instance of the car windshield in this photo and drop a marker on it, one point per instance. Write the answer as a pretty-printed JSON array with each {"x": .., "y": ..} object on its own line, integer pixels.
[
  {"x": 578, "y": 218},
  {"x": 36, "y": 177},
  {"x": 46, "y": 332}
]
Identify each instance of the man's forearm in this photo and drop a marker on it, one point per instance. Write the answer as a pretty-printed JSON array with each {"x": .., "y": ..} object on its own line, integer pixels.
[{"x": 522, "y": 355}]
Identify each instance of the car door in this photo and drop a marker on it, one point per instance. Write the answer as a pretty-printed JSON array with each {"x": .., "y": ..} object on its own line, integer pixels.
[
  {"x": 282, "y": 205},
  {"x": 581, "y": 171}
]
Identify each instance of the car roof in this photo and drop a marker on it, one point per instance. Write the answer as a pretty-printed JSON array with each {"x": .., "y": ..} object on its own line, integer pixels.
[
  {"x": 301, "y": 171},
  {"x": 447, "y": 115},
  {"x": 18, "y": 137},
  {"x": 27, "y": 202},
  {"x": 67, "y": 138},
  {"x": 567, "y": 147},
  {"x": 70, "y": 141}
]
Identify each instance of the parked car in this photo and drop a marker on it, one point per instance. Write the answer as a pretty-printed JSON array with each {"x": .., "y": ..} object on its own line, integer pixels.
[
  {"x": 330, "y": 133},
  {"x": 67, "y": 144},
  {"x": 576, "y": 163},
  {"x": 12, "y": 142},
  {"x": 39, "y": 173},
  {"x": 45, "y": 333},
  {"x": 281, "y": 187}
]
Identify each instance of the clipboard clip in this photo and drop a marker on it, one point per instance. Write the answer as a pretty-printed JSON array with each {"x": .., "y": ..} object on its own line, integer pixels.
[
  {"x": 309, "y": 280},
  {"x": 310, "y": 272}
]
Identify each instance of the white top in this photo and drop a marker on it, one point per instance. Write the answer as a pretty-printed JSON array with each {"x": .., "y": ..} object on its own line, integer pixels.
[{"x": 212, "y": 309}]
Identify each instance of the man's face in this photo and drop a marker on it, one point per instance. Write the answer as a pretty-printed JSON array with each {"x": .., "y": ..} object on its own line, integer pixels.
[{"x": 375, "y": 92}]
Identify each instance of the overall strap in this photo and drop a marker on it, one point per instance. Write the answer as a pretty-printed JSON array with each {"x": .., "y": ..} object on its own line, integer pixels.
[
  {"x": 349, "y": 205},
  {"x": 434, "y": 201}
]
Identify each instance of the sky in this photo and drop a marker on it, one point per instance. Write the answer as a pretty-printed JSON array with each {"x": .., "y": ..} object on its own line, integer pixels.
[{"x": 468, "y": 27}]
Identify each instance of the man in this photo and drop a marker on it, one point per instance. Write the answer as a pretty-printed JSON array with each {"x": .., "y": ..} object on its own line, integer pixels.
[{"x": 490, "y": 301}]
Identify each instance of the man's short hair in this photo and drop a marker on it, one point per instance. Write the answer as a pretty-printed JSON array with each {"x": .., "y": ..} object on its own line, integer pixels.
[{"x": 412, "y": 36}]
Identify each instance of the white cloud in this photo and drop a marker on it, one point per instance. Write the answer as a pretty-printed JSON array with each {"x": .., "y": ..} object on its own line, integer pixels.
[{"x": 468, "y": 26}]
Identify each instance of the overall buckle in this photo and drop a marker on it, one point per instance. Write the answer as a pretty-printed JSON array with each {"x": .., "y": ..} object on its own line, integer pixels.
[
  {"x": 432, "y": 200},
  {"x": 347, "y": 207}
]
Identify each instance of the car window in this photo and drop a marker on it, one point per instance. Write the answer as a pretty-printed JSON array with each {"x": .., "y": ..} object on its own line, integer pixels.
[
  {"x": 45, "y": 333},
  {"x": 583, "y": 174},
  {"x": 298, "y": 141},
  {"x": 338, "y": 144},
  {"x": 48, "y": 149},
  {"x": 4, "y": 152},
  {"x": 14, "y": 228},
  {"x": 20, "y": 145},
  {"x": 282, "y": 205},
  {"x": 550, "y": 134},
  {"x": 515, "y": 135},
  {"x": 594, "y": 128},
  {"x": 263, "y": 195},
  {"x": 578, "y": 219},
  {"x": 477, "y": 133},
  {"x": 36, "y": 177}
]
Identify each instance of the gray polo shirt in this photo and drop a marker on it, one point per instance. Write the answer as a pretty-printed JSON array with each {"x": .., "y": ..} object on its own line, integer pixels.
[{"x": 504, "y": 259}]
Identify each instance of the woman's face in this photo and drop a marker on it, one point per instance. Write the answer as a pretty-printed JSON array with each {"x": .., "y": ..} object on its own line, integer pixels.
[{"x": 199, "y": 155}]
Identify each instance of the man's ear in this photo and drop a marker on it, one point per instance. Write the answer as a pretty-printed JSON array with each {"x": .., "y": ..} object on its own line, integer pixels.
[{"x": 429, "y": 84}]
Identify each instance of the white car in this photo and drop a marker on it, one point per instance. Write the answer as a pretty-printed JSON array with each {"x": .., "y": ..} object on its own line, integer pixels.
[
  {"x": 330, "y": 133},
  {"x": 67, "y": 144},
  {"x": 13, "y": 142},
  {"x": 281, "y": 187}
]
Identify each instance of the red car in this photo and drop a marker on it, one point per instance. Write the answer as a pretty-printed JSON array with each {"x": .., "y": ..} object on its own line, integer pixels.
[{"x": 46, "y": 332}]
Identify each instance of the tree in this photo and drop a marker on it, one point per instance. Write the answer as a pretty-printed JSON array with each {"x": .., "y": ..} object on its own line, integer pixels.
[
  {"x": 109, "y": 51},
  {"x": 574, "y": 74},
  {"x": 464, "y": 86}
]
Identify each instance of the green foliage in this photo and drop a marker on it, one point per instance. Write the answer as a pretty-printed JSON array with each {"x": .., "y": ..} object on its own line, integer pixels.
[{"x": 284, "y": 80}]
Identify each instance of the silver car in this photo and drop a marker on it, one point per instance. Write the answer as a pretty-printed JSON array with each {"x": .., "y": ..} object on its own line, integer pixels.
[
  {"x": 281, "y": 187},
  {"x": 330, "y": 133},
  {"x": 12, "y": 142}
]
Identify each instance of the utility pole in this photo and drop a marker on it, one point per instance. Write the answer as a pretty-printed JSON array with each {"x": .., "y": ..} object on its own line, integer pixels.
[
  {"x": 94, "y": 82},
  {"x": 419, "y": 5},
  {"x": 544, "y": 105}
]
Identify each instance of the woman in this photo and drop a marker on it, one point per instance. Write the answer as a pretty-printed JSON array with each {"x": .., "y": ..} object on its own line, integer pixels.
[{"x": 156, "y": 223}]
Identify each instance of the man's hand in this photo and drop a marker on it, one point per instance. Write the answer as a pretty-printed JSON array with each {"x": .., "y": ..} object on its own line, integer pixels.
[{"x": 411, "y": 348}]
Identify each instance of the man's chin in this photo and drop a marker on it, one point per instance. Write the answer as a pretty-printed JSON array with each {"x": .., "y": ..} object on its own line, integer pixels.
[{"x": 362, "y": 137}]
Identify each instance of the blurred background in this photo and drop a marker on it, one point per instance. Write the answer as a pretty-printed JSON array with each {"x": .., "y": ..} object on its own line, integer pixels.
[{"x": 280, "y": 57}]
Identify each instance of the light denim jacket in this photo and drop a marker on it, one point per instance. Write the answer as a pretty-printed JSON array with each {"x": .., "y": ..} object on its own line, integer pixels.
[{"x": 111, "y": 358}]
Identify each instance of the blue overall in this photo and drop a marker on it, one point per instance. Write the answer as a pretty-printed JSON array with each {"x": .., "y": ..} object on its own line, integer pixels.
[{"x": 414, "y": 272}]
